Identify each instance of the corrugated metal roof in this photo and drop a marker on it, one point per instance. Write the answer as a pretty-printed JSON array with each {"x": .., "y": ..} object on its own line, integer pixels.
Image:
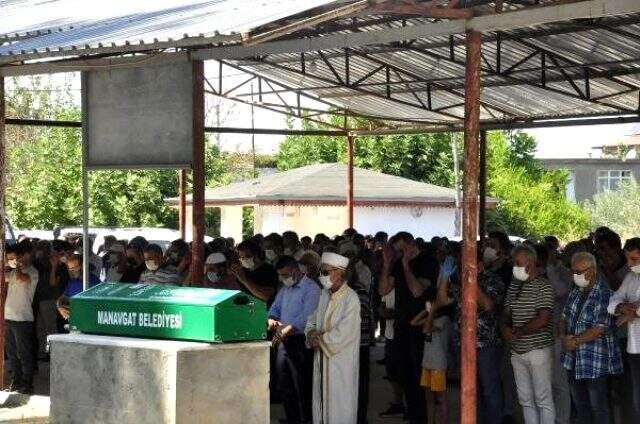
[
  {"x": 325, "y": 183},
  {"x": 610, "y": 48},
  {"x": 426, "y": 76},
  {"x": 65, "y": 24}
]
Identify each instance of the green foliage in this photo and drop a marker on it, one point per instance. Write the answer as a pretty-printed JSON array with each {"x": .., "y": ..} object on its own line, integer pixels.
[
  {"x": 532, "y": 201},
  {"x": 44, "y": 174},
  {"x": 617, "y": 209},
  {"x": 248, "y": 222},
  {"x": 44, "y": 179},
  {"x": 427, "y": 157}
]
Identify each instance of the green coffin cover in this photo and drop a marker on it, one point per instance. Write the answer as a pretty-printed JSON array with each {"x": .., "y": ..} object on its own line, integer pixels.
[{"x": 168, "y": 312}]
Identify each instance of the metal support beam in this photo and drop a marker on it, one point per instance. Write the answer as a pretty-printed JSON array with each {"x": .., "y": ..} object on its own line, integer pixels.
[
  {"x": 86, "y": 245},
  {"x": 350, "y": 181},
  {"x": 182, "y": 208},
  {"x": 524, "y": 18},
  {"x": 559, "y": 28},
  {"x": 468, "y": 394},
  {"x": 197, "y": 244},
  {"x": 428, "y": 128},
  {"x": 333, "y": 108},
  {"x": 505, "y": 21},
  {"x": 482, "y": 221},
  {"x": 330, "y": 15},
  {"x": 520, "y": 81},
  {"x": 3, "y": 282}
]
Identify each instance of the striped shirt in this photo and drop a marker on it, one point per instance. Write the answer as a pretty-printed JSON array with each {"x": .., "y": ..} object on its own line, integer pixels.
[
  {"x": 365, "y": 316},
  {"x": 524, "y": 301},
  {"x": 160, "y": 276}
]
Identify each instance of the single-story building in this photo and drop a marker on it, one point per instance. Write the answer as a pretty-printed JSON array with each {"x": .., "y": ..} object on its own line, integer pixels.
[{"x": 312, "y": 199}]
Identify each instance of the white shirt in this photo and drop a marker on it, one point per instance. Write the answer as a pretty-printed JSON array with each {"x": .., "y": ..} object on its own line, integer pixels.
[
  {"x": 20, "y": 296},
  {"x": 629, "y": 292},
  {"x": 335, "y": 364},
  {"x": 389, "y": 301}
]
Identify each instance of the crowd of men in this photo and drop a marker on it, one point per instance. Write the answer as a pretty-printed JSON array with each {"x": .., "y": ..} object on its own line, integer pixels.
[{"x": 558, "y": 327}]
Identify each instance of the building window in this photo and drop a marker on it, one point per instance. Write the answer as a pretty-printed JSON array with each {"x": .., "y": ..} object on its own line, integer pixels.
[{"x": 610, "y": 180}]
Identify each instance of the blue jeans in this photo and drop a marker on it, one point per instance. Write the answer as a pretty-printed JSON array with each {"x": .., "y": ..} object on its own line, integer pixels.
[
  {"x": 590, "y": 398},
  {"x": 489, "y": 385}
]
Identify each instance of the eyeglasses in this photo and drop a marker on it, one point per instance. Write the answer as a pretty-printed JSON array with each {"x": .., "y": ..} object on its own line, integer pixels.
[
  {"x": 583, "y": 271},
  {"x": 326, "y": 272}
]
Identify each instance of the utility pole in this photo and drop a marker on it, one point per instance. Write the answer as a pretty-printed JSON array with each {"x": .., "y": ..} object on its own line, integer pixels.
[
  {"x": 456, "y": 176},
  {"x": 253, "y": 135}
]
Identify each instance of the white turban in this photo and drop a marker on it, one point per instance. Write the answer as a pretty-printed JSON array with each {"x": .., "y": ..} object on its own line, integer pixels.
[
  {"x": 215, "y": 258},
  {"x": 335, "y": 260}
]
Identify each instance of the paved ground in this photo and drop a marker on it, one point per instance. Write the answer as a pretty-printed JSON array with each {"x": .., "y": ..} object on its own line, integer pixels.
[
  {"x": 25, "y": 409},
  {"x": 380, "y": 396}
]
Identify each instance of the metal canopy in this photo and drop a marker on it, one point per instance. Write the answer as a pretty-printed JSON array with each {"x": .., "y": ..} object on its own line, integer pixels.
[{"x": 401, "y": 71}]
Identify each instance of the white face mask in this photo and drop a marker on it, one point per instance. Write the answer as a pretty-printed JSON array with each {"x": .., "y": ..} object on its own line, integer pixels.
[
  {"x": 270, "y": 254},
  {"x": 325, "y": 280},
  {"x": 288, "y": 282},
  {"x": 151, "y": 265},
  {"x": 214, "y": 277},
  {"x": 489, "y": 255},
  {"x": 520, "y": 273},
  {"x": 580, "y": 280},
  {"x": 13, "y": 263},
  {"x": 635, "y": 269},
  {"x": 247, "y": 263}
]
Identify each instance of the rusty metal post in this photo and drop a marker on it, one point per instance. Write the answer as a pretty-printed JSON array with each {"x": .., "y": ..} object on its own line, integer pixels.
[
  {"x": 350, "y": 181},
  {"x": 182, "y": 204},
  {"x": 468, "y": 393},
  {"x": 3, "y": 282},
  {"x": 197, "y": 245},
  {"x": 482, "y": 221}
]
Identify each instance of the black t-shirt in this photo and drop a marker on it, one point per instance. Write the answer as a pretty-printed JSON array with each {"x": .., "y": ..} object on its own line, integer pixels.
[
  {"x": 505, "y": 272},
  {"x": 132, "y": 274},
  {"x": 44, "y": 290},
  {"x": 265, "y": 276},
  {"x": 407, "y": 306}
]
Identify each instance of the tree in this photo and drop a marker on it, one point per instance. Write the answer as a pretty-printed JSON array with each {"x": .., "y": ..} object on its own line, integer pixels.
[
  {"x": 44, "y": 175},
  {"x": 424, "y": 157},
  {"x": 617, "y": 209},
  {"x": 532, "y": 200}
]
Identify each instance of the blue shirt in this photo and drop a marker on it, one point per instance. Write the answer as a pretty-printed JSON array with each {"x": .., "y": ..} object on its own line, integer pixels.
[
  {"x": 294, "y": 304},
  {"x": 74, "y": 286},
  {"x": 601, "y": 356}
]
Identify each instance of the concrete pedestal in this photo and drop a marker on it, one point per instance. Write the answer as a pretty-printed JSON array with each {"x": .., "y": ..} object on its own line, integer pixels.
[{"x": 101, "y": 379}]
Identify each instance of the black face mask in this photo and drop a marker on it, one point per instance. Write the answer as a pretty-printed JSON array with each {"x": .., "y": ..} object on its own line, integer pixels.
[{"x": 131, "y": 262}]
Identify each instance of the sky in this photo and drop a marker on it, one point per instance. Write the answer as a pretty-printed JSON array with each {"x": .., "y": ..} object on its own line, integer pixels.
[{"x": 576, "y": 142}]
